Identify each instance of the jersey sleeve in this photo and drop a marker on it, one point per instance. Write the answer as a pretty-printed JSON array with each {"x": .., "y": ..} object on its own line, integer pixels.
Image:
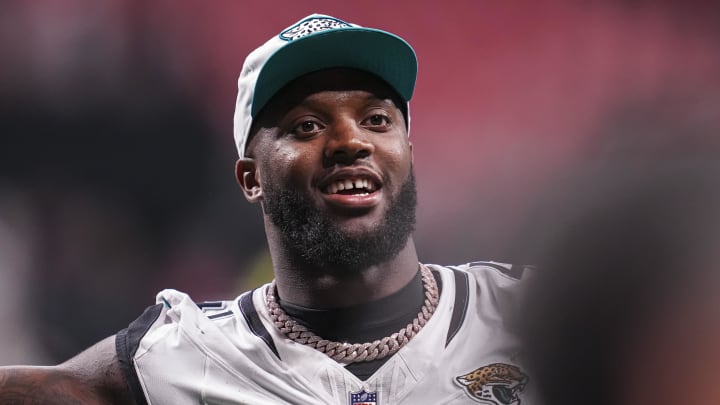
[
  {"x": 501, "y": 290},
  {"x": 126, "y": 344}
]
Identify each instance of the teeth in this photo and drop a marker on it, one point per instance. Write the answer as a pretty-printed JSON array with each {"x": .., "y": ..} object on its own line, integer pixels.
[{"x": 349, "y": 184}]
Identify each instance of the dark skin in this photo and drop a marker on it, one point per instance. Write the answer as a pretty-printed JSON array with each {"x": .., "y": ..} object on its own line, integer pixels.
[
  {"x": 322, "y": 128},
  {"x": 91, "y": 377}
]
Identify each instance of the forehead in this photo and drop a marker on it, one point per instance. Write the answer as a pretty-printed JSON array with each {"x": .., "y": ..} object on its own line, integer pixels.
[{"x": 336, "y": 79}]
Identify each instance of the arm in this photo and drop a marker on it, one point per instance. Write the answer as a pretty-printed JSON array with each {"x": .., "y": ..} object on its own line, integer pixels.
[{"x": 92, "y": 377}]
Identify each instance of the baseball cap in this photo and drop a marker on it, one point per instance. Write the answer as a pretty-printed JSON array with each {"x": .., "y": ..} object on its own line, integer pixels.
[{"x": 314, "y": 43}]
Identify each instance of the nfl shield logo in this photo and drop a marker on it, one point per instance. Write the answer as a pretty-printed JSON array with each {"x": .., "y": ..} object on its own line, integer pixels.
[{"x": 363, "y": 398}]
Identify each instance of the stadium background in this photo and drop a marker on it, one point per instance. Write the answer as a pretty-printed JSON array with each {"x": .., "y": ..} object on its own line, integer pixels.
[{"x": 116, "y": 150}]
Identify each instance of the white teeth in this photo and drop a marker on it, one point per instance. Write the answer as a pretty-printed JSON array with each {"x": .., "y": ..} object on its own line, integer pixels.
[{"x": 361, "y": 184}]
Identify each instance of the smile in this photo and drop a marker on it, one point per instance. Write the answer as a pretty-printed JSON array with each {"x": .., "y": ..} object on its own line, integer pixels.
[
  {"x": 351, "y": 186},
  {"x": 352, "y": 189}
]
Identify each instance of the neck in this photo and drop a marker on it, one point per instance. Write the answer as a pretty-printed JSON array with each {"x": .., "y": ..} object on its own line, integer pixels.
[{"x": 313, "y": 286}]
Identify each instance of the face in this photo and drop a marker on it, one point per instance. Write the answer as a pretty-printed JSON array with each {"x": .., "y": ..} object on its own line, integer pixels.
[{"x": 333, "y": 169}]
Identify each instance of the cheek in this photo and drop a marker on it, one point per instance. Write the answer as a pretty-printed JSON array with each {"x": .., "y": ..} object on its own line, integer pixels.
[
  {"x": 397, "y": 156},
  {"x": 289, "y": 164}
]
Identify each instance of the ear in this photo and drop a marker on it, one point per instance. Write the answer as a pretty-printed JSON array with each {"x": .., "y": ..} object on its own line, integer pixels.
[{"x": 248, "y": 179}]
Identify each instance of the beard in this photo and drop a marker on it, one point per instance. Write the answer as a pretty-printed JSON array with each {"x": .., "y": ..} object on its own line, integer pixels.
[{"x": 314, "y": 236}]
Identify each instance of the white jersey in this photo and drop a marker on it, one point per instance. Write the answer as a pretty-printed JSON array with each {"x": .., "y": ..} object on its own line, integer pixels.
[{"x": 229, "y": 352}]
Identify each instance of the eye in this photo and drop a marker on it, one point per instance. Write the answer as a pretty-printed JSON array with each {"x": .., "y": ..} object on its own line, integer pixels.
[
  {"x": 306, "y": 128},
  {"x": 377, "y": 120}
]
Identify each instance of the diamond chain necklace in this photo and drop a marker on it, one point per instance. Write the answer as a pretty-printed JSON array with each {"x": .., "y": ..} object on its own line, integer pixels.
[{"x": 355, "y": 352}]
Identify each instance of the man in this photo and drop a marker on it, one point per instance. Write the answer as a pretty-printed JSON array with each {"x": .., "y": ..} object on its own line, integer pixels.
[{"x": 352, "y": 317}]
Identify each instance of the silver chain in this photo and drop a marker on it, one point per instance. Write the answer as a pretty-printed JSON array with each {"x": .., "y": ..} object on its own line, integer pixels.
[{"x": 355, "y": 352}]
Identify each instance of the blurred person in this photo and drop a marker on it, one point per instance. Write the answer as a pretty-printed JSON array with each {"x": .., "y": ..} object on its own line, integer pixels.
[
  {"x": 352, "y": 316},
  {"x": 625, "y": 309}
]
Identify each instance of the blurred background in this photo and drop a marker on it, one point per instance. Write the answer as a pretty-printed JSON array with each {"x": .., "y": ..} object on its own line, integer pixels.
[{"x": 116, "y": 149}]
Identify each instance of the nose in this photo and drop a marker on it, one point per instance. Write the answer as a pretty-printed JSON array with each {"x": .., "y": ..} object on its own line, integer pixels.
[{"x": 346, "y": 143}]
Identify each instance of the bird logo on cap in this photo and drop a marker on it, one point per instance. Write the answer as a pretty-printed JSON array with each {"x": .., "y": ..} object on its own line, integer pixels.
[{"x": 312, "y": 25}]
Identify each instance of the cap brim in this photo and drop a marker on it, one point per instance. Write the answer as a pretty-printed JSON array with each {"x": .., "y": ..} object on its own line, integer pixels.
[{"x": 381, "y": 53}]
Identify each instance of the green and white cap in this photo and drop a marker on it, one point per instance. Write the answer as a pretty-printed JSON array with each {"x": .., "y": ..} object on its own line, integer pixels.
[{"x": 314, "y": 43}]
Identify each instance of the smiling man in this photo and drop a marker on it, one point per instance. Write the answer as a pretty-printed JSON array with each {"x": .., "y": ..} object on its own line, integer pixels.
[{"x": 352, "y": 316}]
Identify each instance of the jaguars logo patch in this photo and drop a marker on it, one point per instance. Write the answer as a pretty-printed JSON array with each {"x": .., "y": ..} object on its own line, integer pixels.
[
  {"x": 494, "y": 384},
  {"x": 312, "y": 25}
]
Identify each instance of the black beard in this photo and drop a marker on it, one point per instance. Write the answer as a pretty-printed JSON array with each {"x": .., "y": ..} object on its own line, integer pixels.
[{"x": 310, "y": 234}]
